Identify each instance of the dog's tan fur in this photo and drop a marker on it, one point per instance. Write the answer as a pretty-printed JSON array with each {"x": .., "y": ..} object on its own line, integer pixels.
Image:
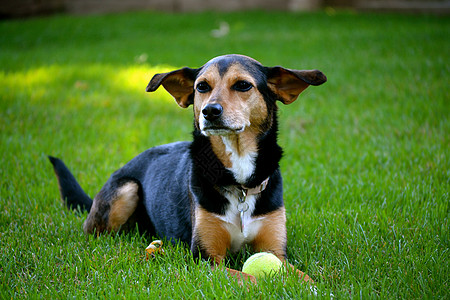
[{"x": 123, "y": 206}]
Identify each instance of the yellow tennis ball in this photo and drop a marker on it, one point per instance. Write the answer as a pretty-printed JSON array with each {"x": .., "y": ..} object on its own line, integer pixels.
[{"x": 262, "y": 264}]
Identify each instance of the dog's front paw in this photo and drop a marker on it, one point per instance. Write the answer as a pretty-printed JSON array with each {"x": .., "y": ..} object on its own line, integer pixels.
[
  {"x": 241, "y": 277},
  {"x": 301, "y": 275},
  {"x": 247, "y": 277}
]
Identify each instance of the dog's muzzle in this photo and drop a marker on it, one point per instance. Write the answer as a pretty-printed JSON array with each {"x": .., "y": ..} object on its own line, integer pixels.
[{"x": 213, "y": 122}]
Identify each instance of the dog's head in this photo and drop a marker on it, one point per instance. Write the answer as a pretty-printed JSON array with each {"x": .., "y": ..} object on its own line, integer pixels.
[{"x": 232, "y": 93}]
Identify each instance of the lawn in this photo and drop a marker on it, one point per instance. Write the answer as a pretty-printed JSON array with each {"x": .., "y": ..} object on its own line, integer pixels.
[{"x": 366, "y": 155}]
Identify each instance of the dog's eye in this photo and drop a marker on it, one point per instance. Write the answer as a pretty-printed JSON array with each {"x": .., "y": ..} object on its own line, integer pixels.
[
  {"x": 242, "y": 86},
  {"x": 203, "y": 87}
]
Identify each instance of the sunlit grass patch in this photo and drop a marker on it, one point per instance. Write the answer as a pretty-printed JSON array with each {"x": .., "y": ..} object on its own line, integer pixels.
[{"x": 81, "y": 81}]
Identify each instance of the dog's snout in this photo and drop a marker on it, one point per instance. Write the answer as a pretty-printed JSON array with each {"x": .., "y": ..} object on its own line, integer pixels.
[{"x": 212, "y": 111}]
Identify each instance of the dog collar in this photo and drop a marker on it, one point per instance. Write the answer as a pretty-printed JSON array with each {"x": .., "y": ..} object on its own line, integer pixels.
[
  {"x": 242, "y": 206},
  {"x": 256, "y": 190}
]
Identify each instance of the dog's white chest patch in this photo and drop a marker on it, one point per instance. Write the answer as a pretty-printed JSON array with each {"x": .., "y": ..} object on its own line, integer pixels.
[
  {"x": 232, "y": 218},
  {"x": 243, "y": 166}
]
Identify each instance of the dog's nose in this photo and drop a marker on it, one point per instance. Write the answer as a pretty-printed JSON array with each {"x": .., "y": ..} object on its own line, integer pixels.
[{"x": 212, "y": 111}]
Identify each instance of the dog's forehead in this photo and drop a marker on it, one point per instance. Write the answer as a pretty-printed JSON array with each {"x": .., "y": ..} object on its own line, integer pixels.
[{"x": 225, "y": 62}]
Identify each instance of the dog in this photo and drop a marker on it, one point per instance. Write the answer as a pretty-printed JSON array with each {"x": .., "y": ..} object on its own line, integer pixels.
[{"x": 223, "y": 189}]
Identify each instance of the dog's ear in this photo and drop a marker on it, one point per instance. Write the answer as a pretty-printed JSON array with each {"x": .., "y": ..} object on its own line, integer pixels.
[
  {"x": 179, "y": 83},
  {"x": 287, "y": 84}
]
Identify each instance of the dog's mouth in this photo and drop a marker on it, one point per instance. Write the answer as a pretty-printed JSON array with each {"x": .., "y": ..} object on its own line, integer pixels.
[
  {"x": 221, "y": 130},
  {"x": 220, "y": 127}
]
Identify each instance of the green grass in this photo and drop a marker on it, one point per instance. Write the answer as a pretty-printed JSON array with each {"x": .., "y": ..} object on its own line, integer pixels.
[{"x": 366, "y": 164}]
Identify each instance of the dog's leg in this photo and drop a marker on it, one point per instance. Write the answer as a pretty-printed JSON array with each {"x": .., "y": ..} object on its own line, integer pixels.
[
  {"x": 213, "y": 240},
  {"x": 123, "y": 205},
  {"x": 110, "y": 211},
  {"x": 210, "y": 236},
  {"x": 272, "y": 238}
]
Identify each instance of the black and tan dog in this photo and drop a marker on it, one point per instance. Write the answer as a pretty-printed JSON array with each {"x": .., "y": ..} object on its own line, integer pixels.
[{"x": 223, "y": 189}]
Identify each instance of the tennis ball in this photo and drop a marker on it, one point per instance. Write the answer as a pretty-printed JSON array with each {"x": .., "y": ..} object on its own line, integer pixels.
[{"x": 262, "y": 264}]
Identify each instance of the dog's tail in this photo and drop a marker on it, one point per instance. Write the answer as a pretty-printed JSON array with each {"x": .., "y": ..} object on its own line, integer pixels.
[{"x": 71, "y": 192}]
